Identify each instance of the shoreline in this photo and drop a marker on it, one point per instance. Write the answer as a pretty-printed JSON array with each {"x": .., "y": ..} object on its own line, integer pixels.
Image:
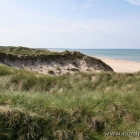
[{"x": 121, "y": 66}]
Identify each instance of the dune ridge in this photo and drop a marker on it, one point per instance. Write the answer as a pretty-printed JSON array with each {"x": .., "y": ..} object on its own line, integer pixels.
[{"x": 57, "y": 64}]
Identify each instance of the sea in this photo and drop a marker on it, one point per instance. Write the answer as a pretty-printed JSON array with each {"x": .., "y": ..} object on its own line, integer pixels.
[{"x": 122, "y": 54}]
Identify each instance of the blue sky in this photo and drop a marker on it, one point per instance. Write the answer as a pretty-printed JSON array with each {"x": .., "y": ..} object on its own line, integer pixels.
[{"x": 70, "y": 23}]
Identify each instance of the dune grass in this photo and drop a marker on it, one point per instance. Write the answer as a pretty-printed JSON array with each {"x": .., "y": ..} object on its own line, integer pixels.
[
  {"x": 32, "y": 51},
  {"x": 22, "y": 50},
  {"x": 81, "y": 106}
]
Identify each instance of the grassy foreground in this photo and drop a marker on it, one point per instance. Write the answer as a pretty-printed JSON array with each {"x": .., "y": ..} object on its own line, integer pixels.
[{"x": 68, "y": 107}]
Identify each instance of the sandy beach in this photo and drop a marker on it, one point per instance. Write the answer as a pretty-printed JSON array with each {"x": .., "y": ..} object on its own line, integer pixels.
[{"x": 122, "y": 65}]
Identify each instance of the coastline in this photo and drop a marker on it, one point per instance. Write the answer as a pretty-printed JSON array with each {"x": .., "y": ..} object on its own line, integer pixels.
[{"x": 121, "y": 66}]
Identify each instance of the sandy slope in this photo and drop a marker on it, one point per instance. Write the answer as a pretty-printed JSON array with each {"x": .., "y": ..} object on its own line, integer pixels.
[
  {"x": 55, "y": 64},
  {"x": 122, "y": 65}
]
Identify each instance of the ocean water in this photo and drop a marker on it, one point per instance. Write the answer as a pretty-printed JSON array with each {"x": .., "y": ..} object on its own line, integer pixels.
[{"x": 122, "y": 54}]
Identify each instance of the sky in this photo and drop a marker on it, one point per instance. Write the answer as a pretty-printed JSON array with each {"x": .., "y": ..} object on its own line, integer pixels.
[{"x": 76, "y": 24}]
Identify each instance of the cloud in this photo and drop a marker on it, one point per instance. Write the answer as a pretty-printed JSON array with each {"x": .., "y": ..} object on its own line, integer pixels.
[
  {"x": 135, "y": 2},
  {"x": 91, "y": 38}
]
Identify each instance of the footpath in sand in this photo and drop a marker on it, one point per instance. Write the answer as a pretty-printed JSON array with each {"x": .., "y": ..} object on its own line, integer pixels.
[{"x": 122, "y": 65}]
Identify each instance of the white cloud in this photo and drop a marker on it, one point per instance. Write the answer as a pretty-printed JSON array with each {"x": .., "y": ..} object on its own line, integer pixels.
[
  {"x": 135, "y": 2},
  {"x": 91, "y": 38}
]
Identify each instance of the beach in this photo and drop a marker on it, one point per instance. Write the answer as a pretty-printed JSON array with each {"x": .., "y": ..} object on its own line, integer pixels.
[{"x": 122, "y": 65}]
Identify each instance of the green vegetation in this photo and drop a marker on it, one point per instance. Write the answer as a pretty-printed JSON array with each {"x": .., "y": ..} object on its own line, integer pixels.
[
  {"x": 68, "y": 107},
  {"x": 30, "y": 51},
  {"x": 24, "y": 51}
]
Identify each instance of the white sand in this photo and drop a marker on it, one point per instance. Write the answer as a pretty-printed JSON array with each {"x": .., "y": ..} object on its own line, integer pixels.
[{"x": 122, "y": 65}]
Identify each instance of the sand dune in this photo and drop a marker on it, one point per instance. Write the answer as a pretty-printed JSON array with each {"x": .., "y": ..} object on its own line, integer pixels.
[{"x": 55, "y": 64}]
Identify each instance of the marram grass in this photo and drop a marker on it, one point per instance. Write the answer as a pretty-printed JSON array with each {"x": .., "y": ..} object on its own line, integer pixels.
[{"x": 69, "y": 107}]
